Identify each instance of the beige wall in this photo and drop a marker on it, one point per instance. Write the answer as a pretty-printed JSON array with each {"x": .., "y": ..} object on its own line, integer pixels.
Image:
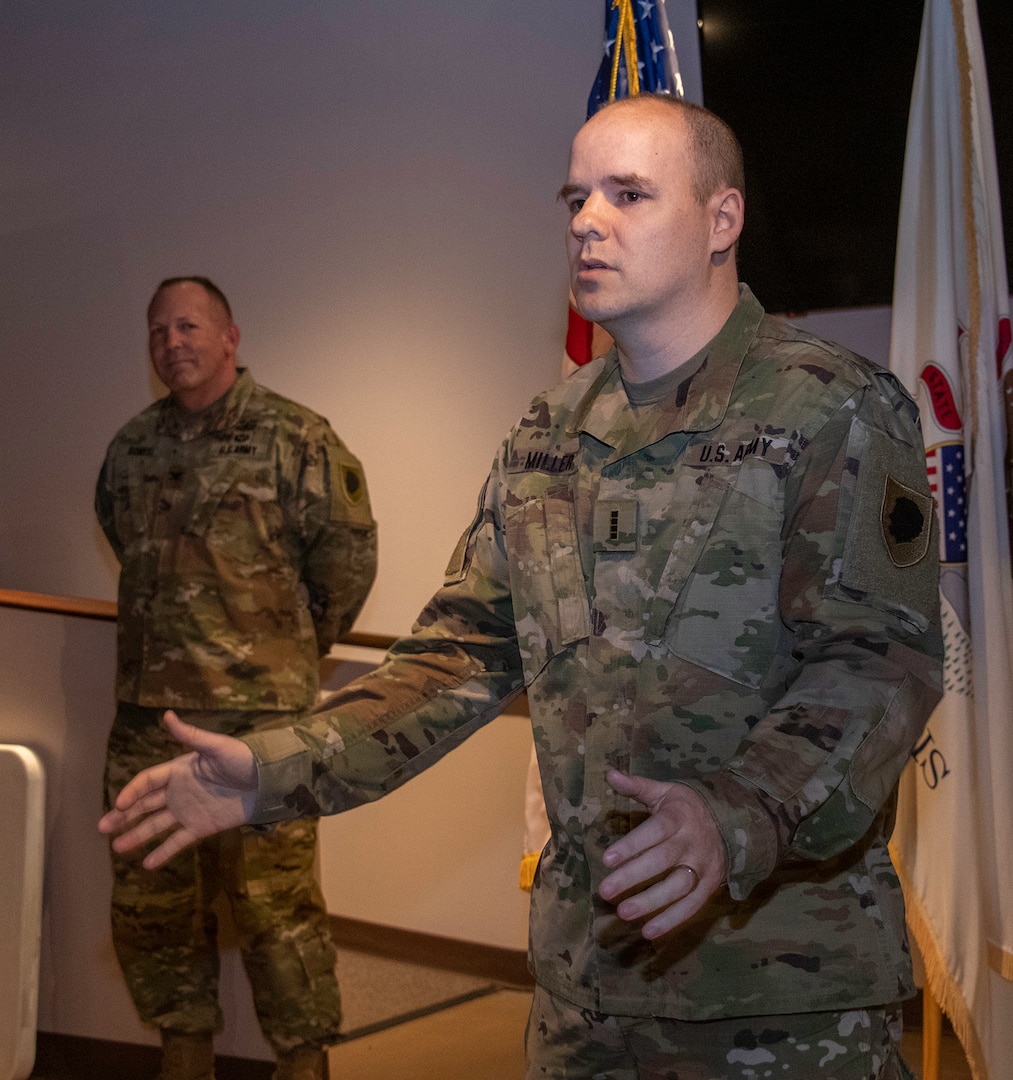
[{"x": 372, "y": 185}]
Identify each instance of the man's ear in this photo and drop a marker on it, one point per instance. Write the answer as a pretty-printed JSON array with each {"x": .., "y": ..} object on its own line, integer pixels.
[
  {"x": 232, "y": 336},
  {"x": 729, "y": 215}
]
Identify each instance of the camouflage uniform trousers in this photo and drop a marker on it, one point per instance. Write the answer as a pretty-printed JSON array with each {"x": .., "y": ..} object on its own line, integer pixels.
[
  {"x": 565, "y": 1042},
  {"x": 165, "y": 928}
]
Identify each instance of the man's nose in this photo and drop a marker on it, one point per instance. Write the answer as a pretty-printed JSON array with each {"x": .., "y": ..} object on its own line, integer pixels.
[
  {"x": 589, "y": 219},
  {"x": 173, "y": 337}
]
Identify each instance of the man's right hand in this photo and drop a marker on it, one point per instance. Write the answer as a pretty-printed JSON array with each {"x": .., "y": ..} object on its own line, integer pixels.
[{"x": 210, "y": 789}]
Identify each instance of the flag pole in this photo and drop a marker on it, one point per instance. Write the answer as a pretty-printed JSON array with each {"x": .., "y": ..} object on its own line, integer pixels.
[{"x": 932, "y": 1032}]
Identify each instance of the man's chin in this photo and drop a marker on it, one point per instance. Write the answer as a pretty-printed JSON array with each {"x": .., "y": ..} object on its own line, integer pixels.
[
  {"x": 600, "y": 313},
  {"x": 179, "y": 378},
  {"x": 589, "y": 307},
  {"x": 594, "y": 305}
]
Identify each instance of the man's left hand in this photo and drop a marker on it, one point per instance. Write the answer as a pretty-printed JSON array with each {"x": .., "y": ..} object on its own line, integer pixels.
[{"x": 669, "y": 865}]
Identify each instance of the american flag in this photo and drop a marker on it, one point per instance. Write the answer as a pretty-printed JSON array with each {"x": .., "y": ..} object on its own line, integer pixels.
[
  {"x": 945, "y": 463},
  {"x": 639, "y": 53}
]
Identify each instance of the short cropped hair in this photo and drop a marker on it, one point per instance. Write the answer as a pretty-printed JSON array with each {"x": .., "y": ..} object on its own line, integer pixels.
[
  {"x": 206, "y": 284},
  {"x": 717, "y": 155}
]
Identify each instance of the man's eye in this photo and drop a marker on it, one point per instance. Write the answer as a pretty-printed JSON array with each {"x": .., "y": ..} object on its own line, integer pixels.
[
  {"x": 576, "y": 205},
  {"x": 631, "y": 196}
]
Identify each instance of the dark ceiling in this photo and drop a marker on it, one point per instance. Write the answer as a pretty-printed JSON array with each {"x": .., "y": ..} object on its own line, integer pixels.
[{"x": 818, "y": 93}]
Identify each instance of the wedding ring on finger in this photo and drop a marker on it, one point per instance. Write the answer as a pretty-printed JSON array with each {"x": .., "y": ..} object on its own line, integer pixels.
[{"x": 694, "y": 876}]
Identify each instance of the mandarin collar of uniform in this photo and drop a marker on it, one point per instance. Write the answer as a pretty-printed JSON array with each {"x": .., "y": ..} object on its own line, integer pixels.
[
  {"x": 700, "y": 403},
  {"x": 220, "y": 415}
]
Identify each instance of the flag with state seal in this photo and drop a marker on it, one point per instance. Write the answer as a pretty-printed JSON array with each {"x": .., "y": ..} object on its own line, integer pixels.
[{"x": 950, "y": 344}]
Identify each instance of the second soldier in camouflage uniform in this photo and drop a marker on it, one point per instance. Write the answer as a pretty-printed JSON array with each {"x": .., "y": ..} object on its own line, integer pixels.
[
  {"x": 710, "y": 557},
  {"x": 247, "y": 547}
]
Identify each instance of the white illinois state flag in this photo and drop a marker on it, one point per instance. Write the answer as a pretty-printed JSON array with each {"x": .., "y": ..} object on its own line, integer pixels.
[{"x": 950, "y": 344}]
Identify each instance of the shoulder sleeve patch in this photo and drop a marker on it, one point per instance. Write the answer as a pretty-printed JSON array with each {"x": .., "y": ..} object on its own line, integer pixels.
[
  {"x": 892, "y": 533},
  {"x": 907, "y": 522},
  {"x": 349, "y": 494},
  {"x": 353, "y": 483}
]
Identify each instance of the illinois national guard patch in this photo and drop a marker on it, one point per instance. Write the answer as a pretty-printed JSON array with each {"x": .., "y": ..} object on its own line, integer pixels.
[
  {"x": 892, "y": 529},
  {"x": 352, "y": 483},
  {"x": 906, "y": 521}
]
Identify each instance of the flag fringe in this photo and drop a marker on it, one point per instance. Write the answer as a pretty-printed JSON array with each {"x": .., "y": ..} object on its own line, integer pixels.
[
  {"x": 937, "y": 976},
  {"x": 529, "y": 863}
]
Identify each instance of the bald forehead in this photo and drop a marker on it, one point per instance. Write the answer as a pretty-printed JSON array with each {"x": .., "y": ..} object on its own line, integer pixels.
[
  {"x": 640, "y": 110},
  {"x": 631, "y": 130},
  {"x": 630, "y": 137}
]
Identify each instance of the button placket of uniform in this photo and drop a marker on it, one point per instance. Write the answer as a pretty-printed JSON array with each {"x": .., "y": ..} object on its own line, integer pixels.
[
  {"x": 612, "y": 651},
  {"x": 564, "y": 563}
]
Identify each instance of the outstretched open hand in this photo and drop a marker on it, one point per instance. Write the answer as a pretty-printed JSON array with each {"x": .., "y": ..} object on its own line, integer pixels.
[
  {"x": 205, "y": 791},
  {"x": 666, "y": 868}
]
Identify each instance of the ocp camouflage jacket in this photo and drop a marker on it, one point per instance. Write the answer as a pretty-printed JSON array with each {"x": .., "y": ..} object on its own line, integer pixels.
[
  {"x": 246, "y": 547},
  {"x": 737, "y": 591}
]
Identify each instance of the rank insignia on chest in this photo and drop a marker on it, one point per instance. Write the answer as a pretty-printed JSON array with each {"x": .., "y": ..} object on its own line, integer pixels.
[{"x": 615, "y": 525}]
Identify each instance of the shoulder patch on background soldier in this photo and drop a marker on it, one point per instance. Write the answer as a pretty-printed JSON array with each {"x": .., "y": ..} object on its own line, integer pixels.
[
  {"x": 353, "y": 483},
  {"x": 906, "y": 522}
]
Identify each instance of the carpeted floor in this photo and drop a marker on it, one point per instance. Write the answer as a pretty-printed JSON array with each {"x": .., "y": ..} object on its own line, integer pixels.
[
  {"x": 482, "y": 1039},
  {"x": 377, "y": 992}
]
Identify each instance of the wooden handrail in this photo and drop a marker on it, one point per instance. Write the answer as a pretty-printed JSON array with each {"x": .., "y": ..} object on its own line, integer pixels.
[
  {"x": 86, "y": 608},
  {"x": 59, "y": 605}
]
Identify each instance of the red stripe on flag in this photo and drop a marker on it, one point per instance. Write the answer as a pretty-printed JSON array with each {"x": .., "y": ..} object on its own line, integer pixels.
[{"x": 579, "y": 336}]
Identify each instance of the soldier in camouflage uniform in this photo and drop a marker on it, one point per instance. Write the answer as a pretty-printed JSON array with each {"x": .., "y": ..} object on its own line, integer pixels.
[
  {"x": 710, "y": 557},
  {"x": 247, "y": 547}
]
